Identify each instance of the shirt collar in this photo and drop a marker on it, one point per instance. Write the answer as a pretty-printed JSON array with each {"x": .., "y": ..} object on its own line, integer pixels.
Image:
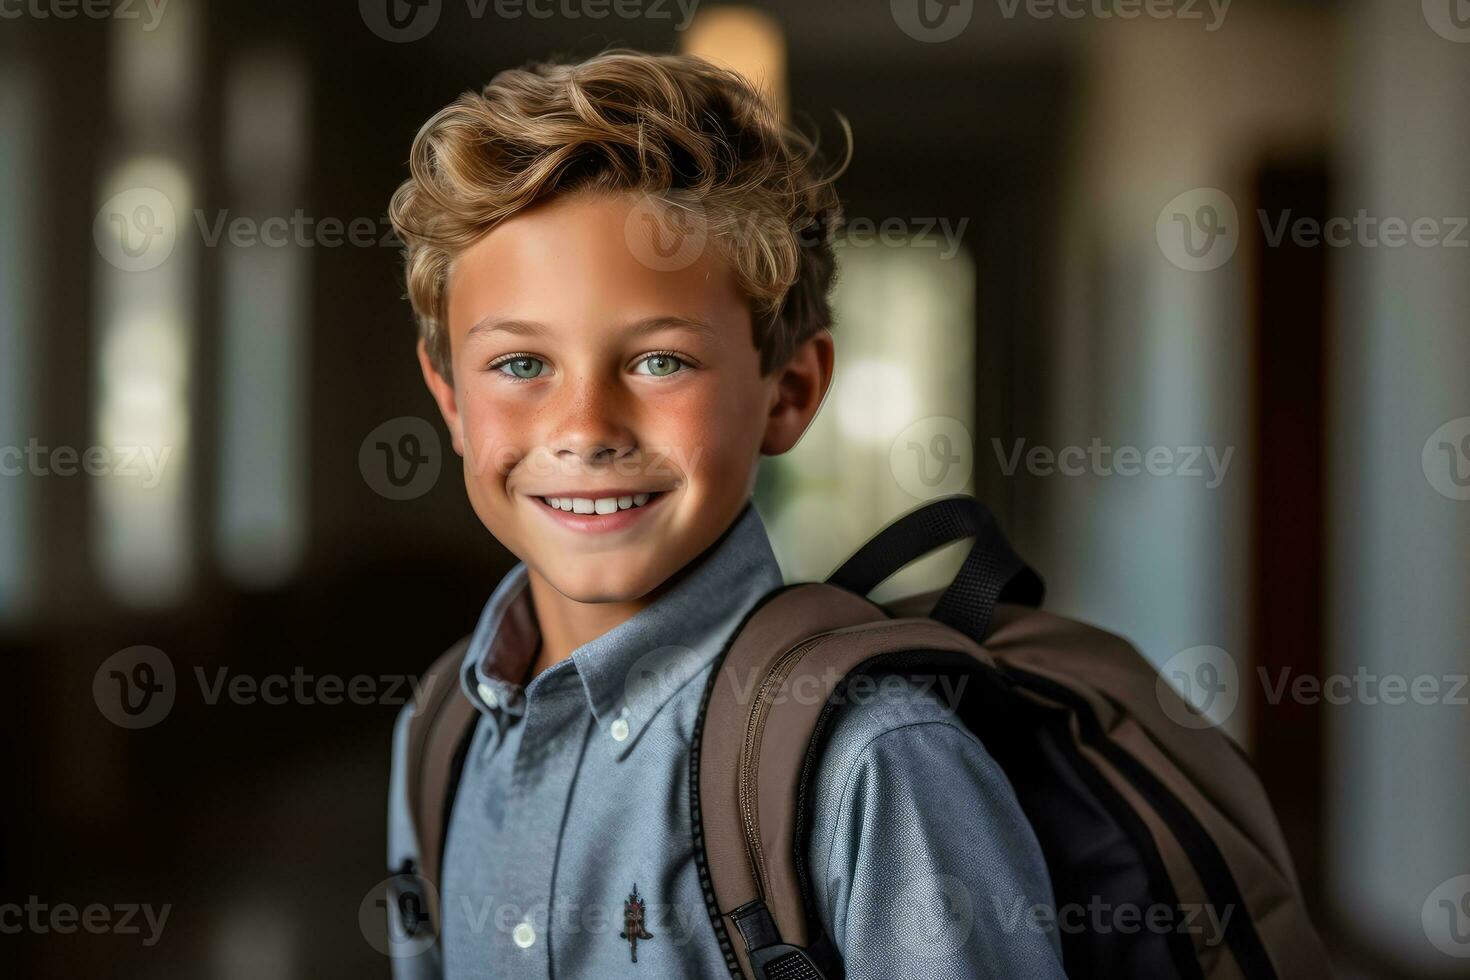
[{"x": 632, "y": 670}]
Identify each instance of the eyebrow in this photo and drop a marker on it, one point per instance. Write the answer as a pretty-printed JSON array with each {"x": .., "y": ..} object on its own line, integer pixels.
[{"x": 532, "y": 328}]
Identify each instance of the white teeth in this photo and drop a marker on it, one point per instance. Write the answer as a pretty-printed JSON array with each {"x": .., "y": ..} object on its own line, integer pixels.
[{"x": 599, "y": 505}]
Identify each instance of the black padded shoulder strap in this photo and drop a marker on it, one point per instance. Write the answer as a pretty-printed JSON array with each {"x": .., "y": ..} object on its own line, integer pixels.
[{"x": 992, "y": 571}]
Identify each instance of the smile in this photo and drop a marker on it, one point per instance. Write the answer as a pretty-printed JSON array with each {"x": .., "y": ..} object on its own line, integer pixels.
[{"x": 599, "y": 514}]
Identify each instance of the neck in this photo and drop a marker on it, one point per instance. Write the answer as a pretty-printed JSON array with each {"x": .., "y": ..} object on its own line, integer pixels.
[{"x": 566, "y": 624}]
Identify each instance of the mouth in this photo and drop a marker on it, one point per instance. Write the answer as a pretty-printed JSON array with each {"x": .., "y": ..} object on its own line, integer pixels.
[{"x": 601, "y": 512}]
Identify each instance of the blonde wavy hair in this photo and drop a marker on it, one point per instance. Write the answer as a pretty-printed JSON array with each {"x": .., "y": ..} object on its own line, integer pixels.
[{"x": 676, "y": 127}]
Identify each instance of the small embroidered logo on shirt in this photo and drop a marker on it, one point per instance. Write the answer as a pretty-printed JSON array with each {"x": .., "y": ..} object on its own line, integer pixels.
[{"x": 633, "y": 911}]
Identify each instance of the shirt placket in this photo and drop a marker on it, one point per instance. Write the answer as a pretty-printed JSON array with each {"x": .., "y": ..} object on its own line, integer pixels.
[{"x": 549, "y": 755}]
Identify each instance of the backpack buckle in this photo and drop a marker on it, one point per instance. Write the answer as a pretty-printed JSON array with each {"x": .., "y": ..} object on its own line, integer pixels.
[{"x": 770, "y": 958}]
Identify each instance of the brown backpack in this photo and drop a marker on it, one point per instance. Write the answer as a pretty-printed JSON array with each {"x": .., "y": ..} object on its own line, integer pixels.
[{"x": 1132, "y": 809}]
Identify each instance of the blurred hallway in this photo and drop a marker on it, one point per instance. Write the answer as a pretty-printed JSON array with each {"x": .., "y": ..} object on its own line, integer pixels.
[{"x": 1183, "y": 298}]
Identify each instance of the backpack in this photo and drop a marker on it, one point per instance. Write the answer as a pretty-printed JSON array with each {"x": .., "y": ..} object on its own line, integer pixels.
[{"x": 1131, "y": 808}]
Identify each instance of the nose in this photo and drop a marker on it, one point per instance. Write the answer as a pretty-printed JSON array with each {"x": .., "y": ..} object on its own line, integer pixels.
[{"x": 591, "y": 427}]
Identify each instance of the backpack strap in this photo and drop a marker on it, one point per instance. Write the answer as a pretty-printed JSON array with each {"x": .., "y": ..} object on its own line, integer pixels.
[
  {"x": 438, "y": 737},
  {"x": 992, "y": 571}
]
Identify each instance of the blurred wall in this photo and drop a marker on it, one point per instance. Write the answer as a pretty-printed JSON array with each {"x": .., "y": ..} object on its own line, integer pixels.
[
  {"x": 1146, "y": 354},
  {"x": 1399, "y": 776}
]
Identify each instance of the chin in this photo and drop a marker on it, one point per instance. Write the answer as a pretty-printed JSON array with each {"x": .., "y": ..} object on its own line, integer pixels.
[{"x": 603, "y": 584}]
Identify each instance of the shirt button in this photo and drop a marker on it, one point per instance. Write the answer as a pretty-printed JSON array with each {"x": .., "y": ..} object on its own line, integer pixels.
[
  {"x": 524, "y": 935},
  {"x": 619, "y": 729},
  {"x": 487, "y": 694}
]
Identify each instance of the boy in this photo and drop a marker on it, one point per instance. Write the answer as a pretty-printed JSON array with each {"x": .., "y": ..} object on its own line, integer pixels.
[{"x": 620, "y": 270}]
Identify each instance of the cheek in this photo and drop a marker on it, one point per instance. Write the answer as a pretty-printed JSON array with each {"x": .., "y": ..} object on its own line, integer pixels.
[
  {"x": 495, "y": 432},
  {"x": 715, "y": 432}
]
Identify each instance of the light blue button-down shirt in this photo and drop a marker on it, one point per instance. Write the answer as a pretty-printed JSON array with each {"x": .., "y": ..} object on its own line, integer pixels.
[{"x": 575, "y": 790}]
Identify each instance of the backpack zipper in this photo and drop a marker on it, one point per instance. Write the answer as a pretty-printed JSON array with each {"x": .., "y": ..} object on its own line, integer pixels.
[
  {"x": 755, "y": 726},
  {"x": 753, "y": 730}
]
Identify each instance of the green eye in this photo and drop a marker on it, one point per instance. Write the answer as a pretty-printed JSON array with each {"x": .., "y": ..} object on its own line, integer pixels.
[
  {"x": 522, "y": 368},
  {"x": 661, "y": 365}
]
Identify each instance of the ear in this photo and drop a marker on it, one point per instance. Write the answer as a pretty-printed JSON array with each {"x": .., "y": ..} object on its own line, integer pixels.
[
  {"x": 443, "y": 392},
  {"x": 799, "y": 389}
]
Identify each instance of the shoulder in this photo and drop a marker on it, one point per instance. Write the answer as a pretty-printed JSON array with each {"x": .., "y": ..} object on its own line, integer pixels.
[
  {"x": 886, "y": 713},
  {"x": 430, "y": 691},
  {"x": 896, "y": 755},
  {"x": 911, "y": 816}
]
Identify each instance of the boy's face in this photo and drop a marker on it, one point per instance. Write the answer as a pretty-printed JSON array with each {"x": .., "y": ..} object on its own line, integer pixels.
[{"x": 583, "y": 374}]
